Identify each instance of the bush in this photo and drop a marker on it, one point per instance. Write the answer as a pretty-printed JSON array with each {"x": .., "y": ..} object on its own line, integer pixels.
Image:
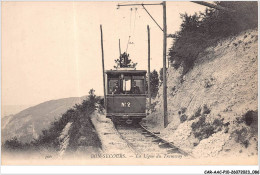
[
  {"x": 203, "y": 129},
  {"x": 241, "y": 136},
  {"x": 183, "y": 110},
  {"x": 50, "y": 137},
  {"x": 203, "y": 30},
  {"x": 197, "y": 114},
  {"x": 14, "y": 144},
  {"x": 198, "y": 124},
  {"x": 248, "y": 128},
  {"x": 206, "y": 110},
  {"x": 250, "y": 117},
  {"x": 183, "y": 118}
]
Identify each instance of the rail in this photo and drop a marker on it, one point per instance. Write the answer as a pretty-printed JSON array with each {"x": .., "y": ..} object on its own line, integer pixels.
[{"x": 164, "y": 142}]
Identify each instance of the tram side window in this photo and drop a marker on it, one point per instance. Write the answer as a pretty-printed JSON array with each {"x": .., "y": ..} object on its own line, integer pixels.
[{"x": 113, "y": 86}]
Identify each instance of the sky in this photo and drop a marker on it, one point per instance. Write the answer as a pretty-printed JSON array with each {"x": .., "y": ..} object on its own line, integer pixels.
[{"x": 52, "y": 50}]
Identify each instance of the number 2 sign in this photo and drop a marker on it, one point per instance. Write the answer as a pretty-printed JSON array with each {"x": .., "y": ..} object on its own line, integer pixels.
[{"x": 125, "y": 104}]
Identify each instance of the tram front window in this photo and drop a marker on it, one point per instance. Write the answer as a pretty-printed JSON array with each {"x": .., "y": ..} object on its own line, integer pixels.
[
  {"x": 126, "y": 84},
  {"x": 138, "y": 85},
  {"x": 113, "y": 87}
]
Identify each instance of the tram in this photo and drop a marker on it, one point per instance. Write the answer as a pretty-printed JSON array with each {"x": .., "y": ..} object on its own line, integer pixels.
[{"x": 125, "y": 95}]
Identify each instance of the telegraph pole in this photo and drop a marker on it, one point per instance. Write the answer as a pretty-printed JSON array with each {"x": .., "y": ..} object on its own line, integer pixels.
[
  {"x": 103, "y": 65},
  {"x": 164, "y": 29},
  {"x": 164, "y": 66},
  {"x": 149, "y": 76}
]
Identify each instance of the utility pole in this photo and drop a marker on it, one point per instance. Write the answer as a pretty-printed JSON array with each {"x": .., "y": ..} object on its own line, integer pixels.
[
  {"x": 103, "y": 65},
  {"x": 149, "y": 74},
  {"x": 164, "y": 66},
  {"x": 164, "y": 53}
]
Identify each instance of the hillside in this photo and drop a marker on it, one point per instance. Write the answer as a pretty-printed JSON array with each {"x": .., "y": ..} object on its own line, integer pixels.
[
  {"x": 213, "y": 108},
  {"x": 72, "y": 136},
  {"x": 8, "y": 110},
  {"x": 29, "y": 123}
]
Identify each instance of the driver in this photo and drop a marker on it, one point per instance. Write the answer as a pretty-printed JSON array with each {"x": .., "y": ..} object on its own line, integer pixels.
[
  {"x": 116, "y": 88},
  {"x": 135, "y": 89}
]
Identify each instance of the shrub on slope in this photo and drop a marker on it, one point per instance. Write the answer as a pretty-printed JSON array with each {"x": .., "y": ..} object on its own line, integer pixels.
[
  {"x": 50, "y": 137},
  {"x": 200, "y": 31}
]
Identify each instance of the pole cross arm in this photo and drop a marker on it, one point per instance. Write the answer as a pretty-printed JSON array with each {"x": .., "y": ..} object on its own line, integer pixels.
[{"x": 119, "y": 5}]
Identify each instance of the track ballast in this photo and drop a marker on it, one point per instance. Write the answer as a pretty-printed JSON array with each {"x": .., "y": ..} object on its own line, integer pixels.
[{"x": 148, "y": 144}]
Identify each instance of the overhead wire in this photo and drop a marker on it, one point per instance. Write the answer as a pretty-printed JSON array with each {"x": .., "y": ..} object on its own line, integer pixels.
[
  {"x": 131, "y": 20},
  {"x": 134, "y": 21},
  {"x": 132, "y": 29}
]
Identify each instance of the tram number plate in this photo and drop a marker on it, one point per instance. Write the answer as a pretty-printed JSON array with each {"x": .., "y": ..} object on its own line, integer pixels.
[{"x": 126, "y": 104}]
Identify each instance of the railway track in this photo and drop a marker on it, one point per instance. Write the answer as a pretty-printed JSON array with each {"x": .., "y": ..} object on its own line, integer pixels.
[{"x": 144, "y": 142}]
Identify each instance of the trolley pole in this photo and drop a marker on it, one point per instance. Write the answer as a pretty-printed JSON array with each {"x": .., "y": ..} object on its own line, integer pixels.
[
  {"x": 149, "y": 76},
  {"x": 119, "y": 48},
  {"x": 103, "y": 66},
  {"x": 120, "y": 57}
]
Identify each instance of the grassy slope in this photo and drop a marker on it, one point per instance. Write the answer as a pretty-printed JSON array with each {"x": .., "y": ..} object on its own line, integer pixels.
[{"x": 225, "y": 81}]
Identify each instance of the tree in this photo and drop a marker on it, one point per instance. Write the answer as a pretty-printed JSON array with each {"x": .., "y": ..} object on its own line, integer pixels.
[
  {"x": 124, "y": 61},
  {"x": 199, "y": 31},
  {"x": 154, "y": 81},
  {"x": 92, "y": 95}
]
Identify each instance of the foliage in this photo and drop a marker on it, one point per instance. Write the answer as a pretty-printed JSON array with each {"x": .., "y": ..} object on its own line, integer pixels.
[
  {"x": 154, "y": 81},
  {"x": 247, "y": 127},
  {"x": 199, "y": 31},
  {"x": 50, "y": 137},
  {"x": 124, "y": 61},
  {"x": 183, "y": 110},
  {"x": 250, "y": 117},
  {"x": 183, "y": 118},
  {"x": 206, "y": 110},
  {"x": 15, "y": 144},
  {"x": 241, "y": 136},
  {"x": 203, "y": 130},
  {"x": 197, "y": 114},
  {"x": 83, "y": 126},
  {"x": 161, "y": 75}
]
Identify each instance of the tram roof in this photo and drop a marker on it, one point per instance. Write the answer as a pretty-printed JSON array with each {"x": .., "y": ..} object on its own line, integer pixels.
[{"x": 125, "y": 71}]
